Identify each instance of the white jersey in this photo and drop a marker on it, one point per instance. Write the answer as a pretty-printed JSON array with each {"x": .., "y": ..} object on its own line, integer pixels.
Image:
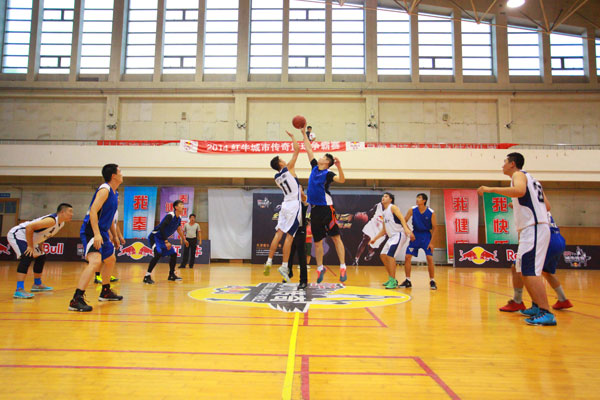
[
  {"x": 374, "y": 225},
  {"x": 393, "y": 225},
  {"x": 530, "y": 209},
  {"x": 39, "y": 236},
  {"x": 288, "y": 184}
]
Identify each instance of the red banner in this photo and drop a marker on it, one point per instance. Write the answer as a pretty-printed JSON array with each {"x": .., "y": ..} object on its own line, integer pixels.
[
  {"x": 462, "y": 218},
  {"x": 409, "y": 145},
  {"x": 241, "y": 147}
]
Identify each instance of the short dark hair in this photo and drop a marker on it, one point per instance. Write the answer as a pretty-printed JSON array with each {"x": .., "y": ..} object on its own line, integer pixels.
[
  {"x": 423, "y": 196},
  {"x": 63, "y": 206},
  {"x": 518, "y": 159},
  {"x": 275, "y": 163},
  {"x": 108, "y": 171},
  {"x": 391, "y": 196},
  {"x": 176, "y": 203},
  {"x": 192, "y": 215},
  {"x": 309, "y": 127},
  {"x": 331, "y": 159}
]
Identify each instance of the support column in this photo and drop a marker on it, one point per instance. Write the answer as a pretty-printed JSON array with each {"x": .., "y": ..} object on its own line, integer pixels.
[
  {"x": 243, "y": 54},
  {"x": 371, "y": 40},
  {"x": 200, "y": 47},
  {"x": 414, "y": 48},
  {"x": 117, "y": 45},
  {"x": 76, "y": 41},
  {"x": 546, "y": 66},
  {"x": 500, "y": 44},
  {"x": 160, "y": 35},
  {"x": 328, "y": 42},
  {"x": 456, "y": 32},
  {"x": 33, "y": 66}
]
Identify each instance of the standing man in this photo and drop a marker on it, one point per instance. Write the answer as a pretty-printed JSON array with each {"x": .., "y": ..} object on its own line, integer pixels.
[
  {"x": 531, "y": 220},
  {"x": 159, "y": 241},
  {"x": 322, "y": 215},
  {"x": 394, "y": 226},
  {"x": 118, "y": 241},
  {"x": 289, "y": 215},
  {"x": 193, "y": 235},
  {"x": 25, "y": 240},
  {"x": 96, "y": 242},
  {"x": 424, "y": 222}
]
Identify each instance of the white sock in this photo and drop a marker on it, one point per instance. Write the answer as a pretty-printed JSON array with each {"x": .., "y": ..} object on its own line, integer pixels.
[
  {"x": 342, "y": 266},
  {"x": 148, "y": 274},
  {"x": 518, "y": 297},
  {"x": 269, "y": 261},
  {"x": 284, "y": 264},
  {"x": 560, "y": 293},
  {"x": 408, "y": 278},
  {"x": 321, "y": 268}
]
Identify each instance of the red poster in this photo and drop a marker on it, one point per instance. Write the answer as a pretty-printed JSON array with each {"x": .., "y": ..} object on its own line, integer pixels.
[{"x": 462, "y": 218}]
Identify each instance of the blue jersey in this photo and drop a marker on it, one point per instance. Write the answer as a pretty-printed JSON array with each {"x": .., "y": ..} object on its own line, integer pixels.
[
  {"x": 318, "y": 186},
  {"x": 422, "y": 222},
  {"x": 106, "y": 214},
  {"x": 168, "y": 225}
]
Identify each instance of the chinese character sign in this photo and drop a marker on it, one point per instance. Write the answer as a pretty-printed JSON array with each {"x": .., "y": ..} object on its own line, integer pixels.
[
  {"x": 140, "y": 210},
  {"x": 499, "y": 222},
  {"x": 169, "y": 194},
  {"x": 462, "y": 218}
]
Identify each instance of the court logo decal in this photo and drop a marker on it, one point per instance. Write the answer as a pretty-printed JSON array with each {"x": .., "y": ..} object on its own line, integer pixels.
[{"x": 286, "y": 296}]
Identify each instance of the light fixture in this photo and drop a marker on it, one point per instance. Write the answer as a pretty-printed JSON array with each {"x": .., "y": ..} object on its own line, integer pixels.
[{"x": 514, "y": 3}]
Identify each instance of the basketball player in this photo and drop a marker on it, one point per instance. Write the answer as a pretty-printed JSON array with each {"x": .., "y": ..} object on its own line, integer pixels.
[
  {"x": 299, "y": 245},
  {"x": 322, "y": 215},
  {"x": 94, "y": 235},
  {"x": 424, "y": 225},
  {"x": 394, "y": 226},
  {"x": 289, "y": 214},
  {"x": 25, "y": 240},
  {"x": 118, "y": 241},
  {"x": 531, "y": 220},
  {"x": 159, "y": 242},
  {"x": 371, "y": 228}
]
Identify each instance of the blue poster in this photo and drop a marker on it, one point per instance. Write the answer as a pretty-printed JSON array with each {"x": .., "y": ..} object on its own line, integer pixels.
[{"x": 140, "y": 211}]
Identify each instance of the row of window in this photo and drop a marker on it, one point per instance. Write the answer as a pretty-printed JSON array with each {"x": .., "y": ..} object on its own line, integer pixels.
[{"x": 306, "y": 43}]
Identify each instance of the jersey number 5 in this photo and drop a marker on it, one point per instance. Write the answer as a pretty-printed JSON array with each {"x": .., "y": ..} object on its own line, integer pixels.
[{"x": 539, "y": 191}]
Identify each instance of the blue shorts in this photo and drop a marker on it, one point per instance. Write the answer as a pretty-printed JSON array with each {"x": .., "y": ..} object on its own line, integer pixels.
[
  {"x": 555, "y": 251},
  {"x": 422, "y": 240},
  {"x": 158, "y": 246},
  {"x": 105, "y": 251}
]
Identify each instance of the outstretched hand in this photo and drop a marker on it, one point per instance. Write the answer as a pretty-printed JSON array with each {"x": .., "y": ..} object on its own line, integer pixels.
[
  {"x": 337, "y": 162},
  {"x": 291, "y": 135}
]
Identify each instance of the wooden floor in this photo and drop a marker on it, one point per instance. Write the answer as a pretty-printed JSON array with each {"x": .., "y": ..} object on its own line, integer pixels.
[{"x": 161, "y": 343}]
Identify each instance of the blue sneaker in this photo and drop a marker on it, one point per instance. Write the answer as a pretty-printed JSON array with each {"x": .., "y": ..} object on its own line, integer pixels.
[
  {"x": 343, "y": 275},
  {"x": 532, "y": 311},
  {"x": 22, "y": 294},
  {"x": 543, "y": 318},
  {"x": 40, "y": 288},
  {"x": 321, "y": 275}
]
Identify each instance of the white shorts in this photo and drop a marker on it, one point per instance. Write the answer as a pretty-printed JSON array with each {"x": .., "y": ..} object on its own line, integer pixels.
[
  {"x": 394, "y": 243},
  {"x": 371, "y": 229},
  {"x": 289, "y": 217},
  {"x": 533, "y": 245},
  {"x": 19, "y": 246}
]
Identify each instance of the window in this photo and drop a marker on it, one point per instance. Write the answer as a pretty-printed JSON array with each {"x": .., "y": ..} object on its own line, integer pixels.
[
  {"x": 435, "y": 45},
  {"x": 348, "y": 40},
  {"x": 266, "y": 36},
  {"x": 57, "y": 34},
  {"x": 307, "y": 37},
  {"x": 181, "y": 36},
  {"x": 220, "y": 38},
  {"x": 393, "y": 42},
  {"x": 523, "y": 51},
  {"x": 476, "y": 48},
  {"x": 17, "y": 29},
  {"x": 96, "y": 37},
  {"x": 566, "y": 54},
  {"x": 141, "y": 37},
  {"x": 597, "y": 57}
]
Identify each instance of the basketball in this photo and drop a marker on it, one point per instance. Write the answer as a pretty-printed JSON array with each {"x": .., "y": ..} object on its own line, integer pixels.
[
  {"x": 299, "y": 122},
  {"x": 361, "y": 217}
]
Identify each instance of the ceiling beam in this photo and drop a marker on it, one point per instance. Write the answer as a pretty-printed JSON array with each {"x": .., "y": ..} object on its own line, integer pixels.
[
  {"x": 488, "y": 10},
  {"x": 545, "y": 16},
  {"x": 571, "y": 11}
]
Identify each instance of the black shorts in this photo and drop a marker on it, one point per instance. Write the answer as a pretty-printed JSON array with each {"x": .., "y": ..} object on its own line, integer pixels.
[{"x": 323, "y": 222}]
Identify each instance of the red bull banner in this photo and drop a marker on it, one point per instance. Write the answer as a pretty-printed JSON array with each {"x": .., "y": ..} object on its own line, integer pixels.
[
  {"x": 138, "y": 251},
  {"x": 462, "y": 218},
  {"x": 169, "y": 194},
  {"x": 140, "y": 211},
  {"x": 499, "y": 223},
  {"x": 56, "y": 249}
]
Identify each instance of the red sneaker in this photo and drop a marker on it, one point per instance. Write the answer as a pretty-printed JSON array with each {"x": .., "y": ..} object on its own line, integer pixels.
[
  {"x": 560, "y": 305},
  {"x": 513, "y": 306}
]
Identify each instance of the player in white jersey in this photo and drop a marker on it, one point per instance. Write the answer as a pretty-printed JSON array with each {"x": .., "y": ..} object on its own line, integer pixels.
[
  {"x": 531, "y": 220},
  {"x": 395, "y": 227},
  {"x": 289, "y": 214},
  {"x": 26, "y": 238},
  {"x": 369, "y": 231}
]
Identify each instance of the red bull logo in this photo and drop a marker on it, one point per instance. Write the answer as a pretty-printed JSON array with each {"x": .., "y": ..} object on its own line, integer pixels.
[
  {"x": 478, "y": 255},
  {"x": 511, "y": 255},
  {"x": 49, "y": 249},
  {"x": 136, "y": 251},
  {"x": 4, "y": 249}
]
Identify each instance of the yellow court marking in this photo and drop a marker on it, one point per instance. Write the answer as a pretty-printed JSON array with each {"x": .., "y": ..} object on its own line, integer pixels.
[{"x": 289, "y": 371}]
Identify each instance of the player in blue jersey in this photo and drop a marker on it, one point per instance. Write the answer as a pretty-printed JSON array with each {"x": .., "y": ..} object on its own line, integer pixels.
[
  {"x": 159, "y": 242},
  {"x": 424, "y": 224},
  {"x": 96, "y": 242},
  {"x": 322, "y": 215}
]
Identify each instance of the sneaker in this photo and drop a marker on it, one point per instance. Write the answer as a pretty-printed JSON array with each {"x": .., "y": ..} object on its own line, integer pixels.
[
  {"x": 284, "y": 272},
  {"x": 79, "y": 304},
  {"x": 343, "y": 275},
  {"x": 388, "y": 281},
  {"x": 559, "y": 305},
  {"x": 302, "y": 286},
  {"x": 267, "y": 270},
  {"x": 321, "y": 275},
  {"x": 432, "y": 285},
  {"x": 543, "y": 319},
  {"x": 532, "y": 311},
  {"x": 114, "y": 279},
  {"x": 97, "y": 279},
  {"x": 182, "y": 267},
  {"x": 173, "y": 277},
  {"x": 40, "y": 288},
  {"x": 148, "y": 280},
  {"x": 22, "y": 294},
  {"x": 369, "y": 256},
  {"x": 109, "y": 295},
  {"x": 406, "y": 284},
  {"x": 513, "y": 306},
  {"x": 392, "y": 284}
]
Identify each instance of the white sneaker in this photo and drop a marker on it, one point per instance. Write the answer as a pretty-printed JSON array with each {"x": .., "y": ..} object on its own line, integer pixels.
[{"x": 284, "y": 272}]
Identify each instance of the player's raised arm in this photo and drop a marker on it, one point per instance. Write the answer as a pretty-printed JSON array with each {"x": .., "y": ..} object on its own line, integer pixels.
[
  {"x": 518, "y": 189},
  {"x": 292, "y": 163},
  {"x": 339, "y": 178},
  {"x": 307, "y": 145}
]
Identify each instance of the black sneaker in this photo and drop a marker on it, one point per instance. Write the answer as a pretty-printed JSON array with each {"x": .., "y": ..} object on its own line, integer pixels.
[
  {"x": 79, "y": 304},
  {"x": 406, "y": 284},
  {"x": 182, "y": 267},
  {"x": 109, "y": 295},
  {"x": 432, "y": 285},
  {"x": 148, "y": 280},
  {"x": 113, "y": 279},
  {"x": 302, "y": 286},
  {"x": 173, "y": 277}
]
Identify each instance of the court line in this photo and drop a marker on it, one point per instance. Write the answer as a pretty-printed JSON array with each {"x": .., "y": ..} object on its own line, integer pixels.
[
  {"x": 436, "y": 378},
  {"x": 289, "y": 371},
  {"x": 330, "y": 270},
  {"x": 139, "y": 368},
  {"x": 305, "y": 378},
  {"x": 380, "y": 322}
]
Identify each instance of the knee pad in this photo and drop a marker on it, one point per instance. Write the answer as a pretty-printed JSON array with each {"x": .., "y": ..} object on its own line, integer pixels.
[{"x": 24, "y": 264}]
